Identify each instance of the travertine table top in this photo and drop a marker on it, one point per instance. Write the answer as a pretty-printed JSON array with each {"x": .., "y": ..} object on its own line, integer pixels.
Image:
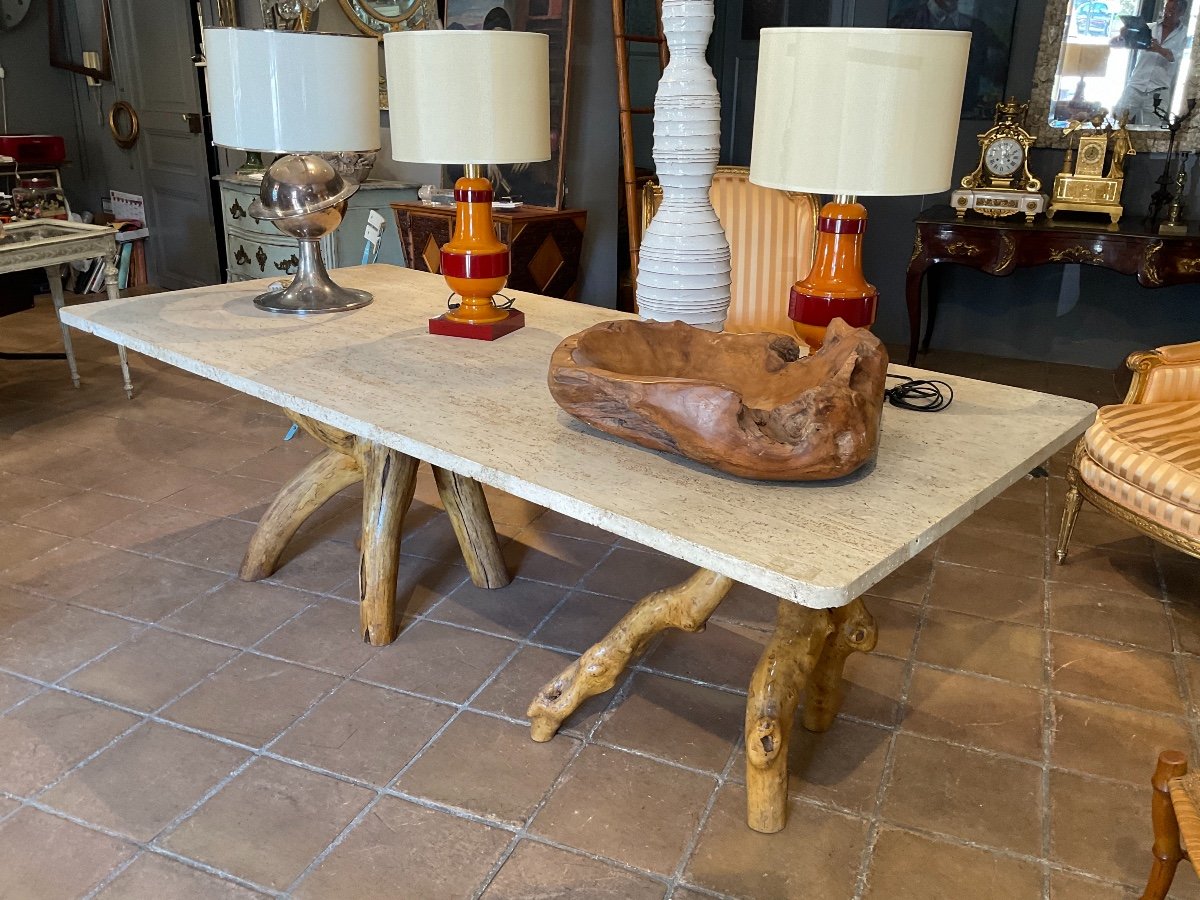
[{"x": 483, "y": 410}]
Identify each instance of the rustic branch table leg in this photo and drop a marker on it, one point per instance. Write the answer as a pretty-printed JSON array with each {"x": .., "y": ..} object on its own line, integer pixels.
[
  {"x": 472, "y": 522},
  {"x": 809, "y": 647},
  {"x": 854, "y": 632},
  {"x": 320, "y": 480},
  {"x": 389, "y": 480},
  {"x": 685, "y": 606}
]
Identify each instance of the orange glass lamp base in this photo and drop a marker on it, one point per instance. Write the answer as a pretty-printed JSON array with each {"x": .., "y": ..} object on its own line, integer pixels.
[
  {"x": 835, "y": 287},
  {"x": 475, "y": 263}
]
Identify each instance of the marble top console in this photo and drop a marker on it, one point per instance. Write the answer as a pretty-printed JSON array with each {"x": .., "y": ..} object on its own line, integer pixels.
[{"x": 483, "y": 410}]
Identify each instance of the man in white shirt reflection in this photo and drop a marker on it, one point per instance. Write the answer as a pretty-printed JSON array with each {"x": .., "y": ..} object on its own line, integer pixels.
[{"x": 1154, "y": 71}]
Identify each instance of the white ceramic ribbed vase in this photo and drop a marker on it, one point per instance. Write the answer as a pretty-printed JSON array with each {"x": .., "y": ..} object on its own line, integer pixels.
[{"x": 683, "y": 269}]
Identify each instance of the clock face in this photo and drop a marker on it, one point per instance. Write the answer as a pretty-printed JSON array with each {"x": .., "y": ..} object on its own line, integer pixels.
[{"x": 1004, "y": 156}]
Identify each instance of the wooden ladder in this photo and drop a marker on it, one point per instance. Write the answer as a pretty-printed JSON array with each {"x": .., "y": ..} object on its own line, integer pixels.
[{"x": 633, "y": 216}]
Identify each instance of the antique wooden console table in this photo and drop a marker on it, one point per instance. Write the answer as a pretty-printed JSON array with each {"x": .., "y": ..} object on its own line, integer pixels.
[
  {"x": 383, "y": 393},
  {"x": 1000, "y": 246}
]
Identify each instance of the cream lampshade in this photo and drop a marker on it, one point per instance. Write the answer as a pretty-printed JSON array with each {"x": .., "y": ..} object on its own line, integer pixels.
[
  {"x": 300, "y": 94},
  {"x": 479, "y": 98},
  {"x": 849, "y": 111}
]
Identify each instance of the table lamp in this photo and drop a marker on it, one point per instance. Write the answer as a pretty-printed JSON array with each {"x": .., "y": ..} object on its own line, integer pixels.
[
  {"x": 1083, "y": 61},
  {"x": 850, "y": 111},
  {"x": 300, "y": 94},
  {"x": 479, "y": 98}
]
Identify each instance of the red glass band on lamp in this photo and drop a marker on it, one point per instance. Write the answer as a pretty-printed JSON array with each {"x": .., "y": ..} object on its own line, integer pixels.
[
  {"x": 835, "y": 287},
  {"x": 476, "y": 265}
]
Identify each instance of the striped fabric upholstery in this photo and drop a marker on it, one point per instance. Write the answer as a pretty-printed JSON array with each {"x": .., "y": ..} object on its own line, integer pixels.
[
  {"x": 772, "y": 236},
  {"x": 1172, "y": 382},
  {"x": 1146, "y": 457}
]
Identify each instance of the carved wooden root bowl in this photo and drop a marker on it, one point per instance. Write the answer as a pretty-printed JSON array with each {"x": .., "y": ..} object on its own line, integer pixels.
[{"x": 748, "y": 404}]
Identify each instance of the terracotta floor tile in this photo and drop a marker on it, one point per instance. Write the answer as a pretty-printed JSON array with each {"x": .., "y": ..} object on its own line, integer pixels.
[
  {"x": 239, "y": 612},
  {"x": 1186, "y": 616},
  {"x": 438, "y": 661},
  {"x": 251, "y": 700},
  {"x": 21, "y": 495},
  {"x": 67, "y": 571},
  {"x": 539, "y": 870},
  {"x": 896, "y": 625},
  {"x": 1104, "y": 532},
  {"x": 1027, "y": 490},
  {"x": 511, "y": 692},
  {"x": 16, "y": 606},
  {"x": 20, "y": 543},
  {"x": 150, "y": 588},
  {"x": 1110, "y": 616},
  {"x": 899, "y": 586},
  {"x": 907, "y": 866},
  {"x": 507, "y": 508},
  {"x": 1120, "y": 674},
  {"x": 722, "y": 654},
  {"x": 153, "y": 529},
  {"x": 214, "y": 452},
  {"x": 1101, "y": 827},
  {"x": 1004, "y": 514},
  {"x": 430, "y": 853},
  {"x": 365, "y": 732},
  {"x": 269, "y": 823},
  {"x": 686, "y": 723},
  {"x": 552, "y": 558},
  {"x": 1013, "y": 553},
  {"x": 82, "y": 857},
  {"x": 1075, "y": 887},
  {"x": 744, "y": 605},
  {"x": 1127, "y": 573},
  {"x": 320, "y": 568},
  {"x": 625, "y": 807},
  {"x": 219, "y": 545},
  {"x": 279, "y": 464},
  {"x": 153, "y": 483},
  {"x": 144, "y": 781},
  {"x": 512, "y": 611},
  {"x": 816, "y": 855},
  {"x": 556, "y": 523},
  {"x": 420, "y": 585},
  {"x": 632, "y": 574},
  {"x": 226, "y": 495},
  {"x": 488, "y": 767},
  {"x": 872, "y": 687},
  {"x": 82, "y": 513},
  {"x": 48, "y": 734},
  {"x": 150, "y": 669},
  {"x": 977, "y": 711},
  {"x": 842, "y": 766},
  {"x": 990, "y": 595},
  {"x": 582, "y": 621},
  {"x": 999, "y": 649},
  {"x": 966, "y": 794},
  {"x": 13, "y": 690},
  {"x": 153, "y": 877},
  {"x": 1084, "y": 731},
  {"x": 58, "y": 639},
  {"x": 325, "y": 635}
]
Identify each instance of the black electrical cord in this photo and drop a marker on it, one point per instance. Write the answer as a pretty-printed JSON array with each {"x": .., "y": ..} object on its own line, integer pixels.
[
  {"x": 507, "y": 304},
  {"x": 920, "y": 395}
]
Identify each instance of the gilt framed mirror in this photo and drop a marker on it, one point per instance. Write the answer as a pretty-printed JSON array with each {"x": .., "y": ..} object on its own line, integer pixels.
[
  {"x": 1096, "y": 57},
  {"x": 377, "y": 17}
]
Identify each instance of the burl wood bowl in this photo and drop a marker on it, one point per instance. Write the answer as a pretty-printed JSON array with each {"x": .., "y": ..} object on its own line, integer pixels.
[{"x": 749, "y": 404}]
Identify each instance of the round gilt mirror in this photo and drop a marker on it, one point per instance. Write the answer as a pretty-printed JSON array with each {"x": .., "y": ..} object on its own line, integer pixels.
[{"x": 377, "y": 17}]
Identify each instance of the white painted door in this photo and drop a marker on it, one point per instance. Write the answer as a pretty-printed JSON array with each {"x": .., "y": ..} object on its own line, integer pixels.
[{"x": 156, "y": 42}]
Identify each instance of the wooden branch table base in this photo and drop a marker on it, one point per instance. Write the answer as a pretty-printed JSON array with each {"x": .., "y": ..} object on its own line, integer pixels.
[
  {"x": 480, "y": 410},
  {"x": 389, "y": 479},
  {"x": 808, "y": 649}
]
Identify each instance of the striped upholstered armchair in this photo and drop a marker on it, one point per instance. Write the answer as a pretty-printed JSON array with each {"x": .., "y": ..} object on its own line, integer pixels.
[
  {"x": 772, "y": 239},
  {"x": 1140, "y": 460}
]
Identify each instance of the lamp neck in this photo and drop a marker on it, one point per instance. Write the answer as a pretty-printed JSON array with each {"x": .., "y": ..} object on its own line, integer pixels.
[
  {"x": 473, "y": 170},
  {"x": 844, "y": 198}
]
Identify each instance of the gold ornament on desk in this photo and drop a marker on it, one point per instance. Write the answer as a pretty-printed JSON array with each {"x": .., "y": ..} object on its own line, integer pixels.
[
  {"x": 1083, "y": 185},
  {"x": 1002, "y": 184}
]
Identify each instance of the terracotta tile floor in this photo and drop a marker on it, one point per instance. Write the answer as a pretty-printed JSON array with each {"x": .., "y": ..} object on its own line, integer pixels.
[{"x": 167, "y": 731}]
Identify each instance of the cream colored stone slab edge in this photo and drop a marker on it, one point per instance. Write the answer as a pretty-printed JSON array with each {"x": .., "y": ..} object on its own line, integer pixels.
[{"x": 377, "y": 373}]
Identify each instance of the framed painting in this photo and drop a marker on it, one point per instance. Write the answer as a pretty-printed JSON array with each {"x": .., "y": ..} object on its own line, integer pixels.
[{"x": 991, "y": 25}]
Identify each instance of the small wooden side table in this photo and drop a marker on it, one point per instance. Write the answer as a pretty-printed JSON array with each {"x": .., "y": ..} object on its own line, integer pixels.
[
  {"x": 545, "y": 243},
  {"x": 1000, "y": 246}
]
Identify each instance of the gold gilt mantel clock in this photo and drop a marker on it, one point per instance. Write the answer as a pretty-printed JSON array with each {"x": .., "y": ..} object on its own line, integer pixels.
[{"x": 1002, "y": 184}]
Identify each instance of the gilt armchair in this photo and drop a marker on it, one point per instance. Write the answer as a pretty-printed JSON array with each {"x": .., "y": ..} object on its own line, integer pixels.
[{"x": 1140, "y": 460}]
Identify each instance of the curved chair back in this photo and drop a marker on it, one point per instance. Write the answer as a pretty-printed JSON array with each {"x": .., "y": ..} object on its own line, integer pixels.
[{"x": 772, "y": 238}]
